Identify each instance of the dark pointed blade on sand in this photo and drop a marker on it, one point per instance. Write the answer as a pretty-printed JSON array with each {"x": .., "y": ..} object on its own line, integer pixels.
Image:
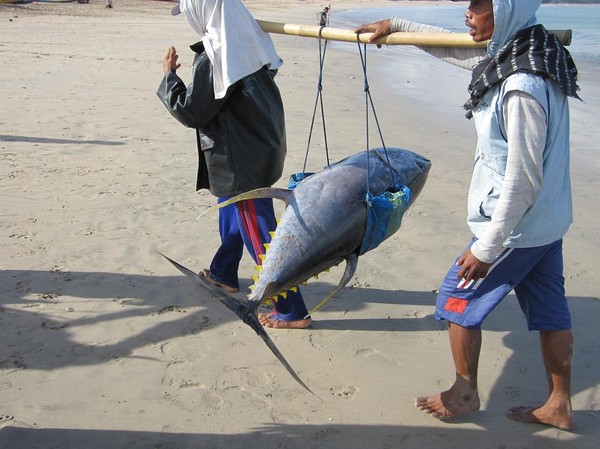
[
  {"x": 245, "y": 311},
  {"x": 232, "y": 304}
]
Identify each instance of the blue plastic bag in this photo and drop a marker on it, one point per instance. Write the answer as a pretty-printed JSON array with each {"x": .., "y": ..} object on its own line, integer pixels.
[
  {"x": 384, "y": 216},
  {"x": 296, "y": 178}
]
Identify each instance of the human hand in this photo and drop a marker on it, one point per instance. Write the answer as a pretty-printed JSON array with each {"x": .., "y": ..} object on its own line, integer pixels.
[
  {"x": 170, "y": 61},
  {"x": 379, "y": 29},
  {"x": 472, "y": 268}
]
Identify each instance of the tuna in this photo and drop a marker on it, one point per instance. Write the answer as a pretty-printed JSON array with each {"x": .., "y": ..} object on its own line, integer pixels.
[{"x": 323, "y": 224}]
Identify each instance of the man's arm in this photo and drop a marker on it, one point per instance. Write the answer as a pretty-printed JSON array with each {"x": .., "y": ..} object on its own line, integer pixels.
[
  {"x": 193, "y": 106},
  {"x": 465, "y": 58},
  {"x": 170, "y": 60},
  {"x": 526, "y": 128}
]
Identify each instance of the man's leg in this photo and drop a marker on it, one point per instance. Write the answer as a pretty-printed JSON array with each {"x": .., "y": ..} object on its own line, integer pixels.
[
  {"x": 557, "y": 353},
  {"x": 462, "y": 397},
  {"x": 257, "y": 219},
  {"x": 223, "y": 269},
  {"x": 542, "y": 298},
  {"x": 290, "y": 313},
  {"x": 465, "y": 306}
]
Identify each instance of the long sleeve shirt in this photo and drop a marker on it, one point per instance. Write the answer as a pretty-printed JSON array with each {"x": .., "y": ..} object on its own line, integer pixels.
[{"x": 525, "y": 123}]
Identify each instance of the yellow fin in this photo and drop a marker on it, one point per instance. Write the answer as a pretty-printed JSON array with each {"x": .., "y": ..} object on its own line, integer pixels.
[
  {"x": 255, "y": 279},
  {"x": 283, "y": 295},
  {"x": 262, "y": 257},
  {"x": 266, "y": 245},
  {"x": 294, "y": 289}
]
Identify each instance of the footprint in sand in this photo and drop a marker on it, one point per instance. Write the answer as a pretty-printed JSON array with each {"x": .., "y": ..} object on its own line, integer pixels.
[
  {"x": 512, "y": 393},
  {"x": 317, "y": 341},
  {"x": 167, "y": 309},
  {"x": 198, "y": 399},
  {"x": 198, "y": 325},
  {"x": 344, "y": 391},
  {"x": 54, "y": 326},
  {"x": 5, "y": 418},
  {"x": 369, "y": 352},
  {"x": 284, "y": 416},
  {"x": 13, "y": 363}
]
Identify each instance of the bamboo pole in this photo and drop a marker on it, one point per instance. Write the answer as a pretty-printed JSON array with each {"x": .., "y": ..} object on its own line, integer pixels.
[{"x": 418, "y": 39}]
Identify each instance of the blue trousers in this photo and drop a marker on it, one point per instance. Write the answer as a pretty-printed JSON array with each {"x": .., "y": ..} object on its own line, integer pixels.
[
  {"x": 536, "y": 276},
  {"x": 248, "y": 223}
]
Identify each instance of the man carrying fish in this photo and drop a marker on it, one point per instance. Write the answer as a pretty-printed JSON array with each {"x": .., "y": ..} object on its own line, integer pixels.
[
  {"x": 519, "y": 204},
  {"x": 236, "y": 109}
]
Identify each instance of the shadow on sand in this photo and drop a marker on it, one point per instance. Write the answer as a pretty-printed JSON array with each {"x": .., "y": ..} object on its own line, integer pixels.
[{"x": 22, "y": 291}]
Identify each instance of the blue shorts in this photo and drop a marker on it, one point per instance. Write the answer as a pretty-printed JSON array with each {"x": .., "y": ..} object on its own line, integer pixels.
[{"x": 535, "y": 274}]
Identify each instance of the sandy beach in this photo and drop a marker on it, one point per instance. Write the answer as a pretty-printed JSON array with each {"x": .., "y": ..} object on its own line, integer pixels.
[{"x": 104, "y": 345}]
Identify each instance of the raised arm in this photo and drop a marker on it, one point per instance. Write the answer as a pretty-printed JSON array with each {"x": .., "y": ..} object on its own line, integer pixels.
[{"x": 461, "y": 57}]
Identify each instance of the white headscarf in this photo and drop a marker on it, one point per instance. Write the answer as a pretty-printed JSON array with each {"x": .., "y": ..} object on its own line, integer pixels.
[{"x": 234, "y": 43}]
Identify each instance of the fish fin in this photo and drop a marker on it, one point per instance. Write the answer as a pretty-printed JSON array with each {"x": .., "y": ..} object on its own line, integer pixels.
[
  {"x": 246, "y": 311},
  {"x": 284, "y": 195},
  {"x": 233, "y": 304},
  {"x": 351, "y": 264},
  {"x": 252, "y": 320}
]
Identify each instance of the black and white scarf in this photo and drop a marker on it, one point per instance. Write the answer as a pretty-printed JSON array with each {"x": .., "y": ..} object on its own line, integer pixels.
[{"x": 531, "y": 50}]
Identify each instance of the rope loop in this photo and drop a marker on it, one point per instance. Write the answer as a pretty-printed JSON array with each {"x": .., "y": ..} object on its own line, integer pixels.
[
  {"x": 369, "y": 102},
  {"x": 318, "y": 101}
]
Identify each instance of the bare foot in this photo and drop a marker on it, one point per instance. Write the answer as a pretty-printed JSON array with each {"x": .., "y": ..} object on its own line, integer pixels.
[
  {"x": 269, "y": 320},
  {"x": 205, "y": 274},
  {"x": 448, "y": 404},
  {"x": 559, "y": 417}
]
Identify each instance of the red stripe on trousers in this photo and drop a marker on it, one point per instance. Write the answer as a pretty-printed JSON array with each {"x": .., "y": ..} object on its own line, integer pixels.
[{"x": 248, "y": 214}]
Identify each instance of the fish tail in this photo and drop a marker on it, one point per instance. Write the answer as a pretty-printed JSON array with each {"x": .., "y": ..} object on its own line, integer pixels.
[
  {"x": 246, "y": 310},
  {"x": 251, "y": 319}
]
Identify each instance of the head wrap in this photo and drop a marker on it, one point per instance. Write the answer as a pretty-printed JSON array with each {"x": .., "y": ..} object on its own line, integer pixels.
[
  {"x": 531, "y": 50},
  {"x": 233, "y": 41}
]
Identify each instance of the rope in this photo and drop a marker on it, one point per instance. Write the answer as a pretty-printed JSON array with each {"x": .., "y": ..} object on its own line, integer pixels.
[
  {"x": 318, "y": 100},
  {"x": 369, "y": 101}
]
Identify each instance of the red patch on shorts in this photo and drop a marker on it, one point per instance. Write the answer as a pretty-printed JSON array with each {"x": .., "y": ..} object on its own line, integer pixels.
[{"x": 456, "y": 304}]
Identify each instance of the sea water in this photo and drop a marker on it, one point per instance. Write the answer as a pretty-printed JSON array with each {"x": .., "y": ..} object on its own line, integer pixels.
[
  {"x": 583, "y": 20},
  {"x": 434, "y": 84}
]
